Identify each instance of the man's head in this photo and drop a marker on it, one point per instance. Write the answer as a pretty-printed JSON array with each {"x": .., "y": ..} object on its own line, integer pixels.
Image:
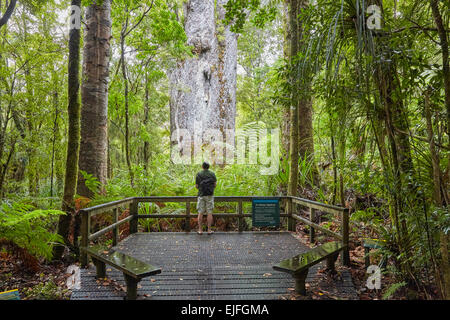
[{"x": 205, "y": 165}]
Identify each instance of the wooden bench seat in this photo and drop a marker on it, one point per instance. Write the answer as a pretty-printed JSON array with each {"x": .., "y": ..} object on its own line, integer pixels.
[
  {"x": 133, "y": 269},
  {"x": 299, "y": 265}
]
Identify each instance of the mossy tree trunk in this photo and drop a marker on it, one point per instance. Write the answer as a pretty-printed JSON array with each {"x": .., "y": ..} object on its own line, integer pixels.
[
  {"x": 146, "y": 150},
  {"x": 286, "y": 127},
  {"x": 126, "y": 92},
  {"x": 73, "y": 144},
  {"x": 299, "y": 122},
  {"x": 293, "y": 6}
]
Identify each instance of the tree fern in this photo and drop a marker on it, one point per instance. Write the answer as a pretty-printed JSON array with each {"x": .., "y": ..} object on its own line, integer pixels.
[
  {"x": 27, "y": 228},
  {"x": 393, "y": 289}
]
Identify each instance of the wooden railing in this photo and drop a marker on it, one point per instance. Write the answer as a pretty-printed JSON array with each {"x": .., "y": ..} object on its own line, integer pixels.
[
  {"x": 343, "y": 214},
  {"x": 287, "y": 202}
]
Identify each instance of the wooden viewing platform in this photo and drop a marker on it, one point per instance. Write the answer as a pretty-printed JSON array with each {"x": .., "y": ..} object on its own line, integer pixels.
[{"x": 225, "y": 265}]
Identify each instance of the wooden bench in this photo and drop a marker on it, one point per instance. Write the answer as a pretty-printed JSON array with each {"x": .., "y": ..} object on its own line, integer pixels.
[
  {"x": 133, "y": 269},
  {"x": 299, "y": 265}
]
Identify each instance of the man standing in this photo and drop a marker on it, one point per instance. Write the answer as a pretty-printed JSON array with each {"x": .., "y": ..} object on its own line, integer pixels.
[{"x": 205, "y": 182}]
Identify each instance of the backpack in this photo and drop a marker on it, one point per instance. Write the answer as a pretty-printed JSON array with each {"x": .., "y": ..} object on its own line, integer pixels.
[{"x": 207, "y": 187}]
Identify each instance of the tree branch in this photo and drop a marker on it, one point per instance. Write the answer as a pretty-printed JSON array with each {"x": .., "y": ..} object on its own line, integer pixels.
[
  {"x": 140, "y": 20},
  {"x": 8, "y": 13}
]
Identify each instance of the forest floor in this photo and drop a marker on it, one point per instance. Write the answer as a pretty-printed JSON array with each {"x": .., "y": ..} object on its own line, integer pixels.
[
  {"x": 48, "y": 281},
  {"x": 325, "y": 286}
]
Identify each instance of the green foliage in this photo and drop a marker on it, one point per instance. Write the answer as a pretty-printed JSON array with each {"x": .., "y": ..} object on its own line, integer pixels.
[
  {"x": 28, "y": 228},
  {"x": 392, "y": 289},
  {"x": 91, "y": 182},
  {"x": 368, "y": 216},
  {"x": 178, "y": 180},
  {"x": 306, "y": 171},
  {"x": 149, "y": 224},
  {"x": 441, "y": 219},
  {"x": 236, "y": 13}
]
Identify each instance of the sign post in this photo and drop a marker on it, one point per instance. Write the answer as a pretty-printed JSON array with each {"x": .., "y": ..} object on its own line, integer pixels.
[{"x": 266, "y": 212}]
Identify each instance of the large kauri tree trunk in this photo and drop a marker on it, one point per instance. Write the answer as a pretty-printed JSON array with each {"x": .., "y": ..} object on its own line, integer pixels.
[
  {"x": 203, "y": 88},
  {"x": 94, "y": 92}
]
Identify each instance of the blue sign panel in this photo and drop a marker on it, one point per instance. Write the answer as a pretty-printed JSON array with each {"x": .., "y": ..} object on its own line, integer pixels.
[
  {"x": 266, "y": 212},
  {"x": 10, "y": 295}
]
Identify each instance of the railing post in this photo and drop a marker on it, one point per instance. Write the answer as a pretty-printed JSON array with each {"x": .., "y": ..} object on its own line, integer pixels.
[
  {"x": 290, "y": 208},
  {"x": 187, "y": 222},
  {"x": 345, "y": 236},
  {"x": 85, "y": 230},
  {"x": 134, "y": 213},
  {"x": 115, "y": 233},
  {"x": 240, "y": 218},
  {"x": 312, "y": 213}
]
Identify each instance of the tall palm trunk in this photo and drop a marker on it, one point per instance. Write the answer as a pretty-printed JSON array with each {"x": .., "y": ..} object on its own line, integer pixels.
[
  {"x": 146, "y": 119},
  {"x": 397, "y": 129},
  {"x": 444, "y": 238},
  {"x": 127, "y": 111},
  {"x": 443, "y": 280}
]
